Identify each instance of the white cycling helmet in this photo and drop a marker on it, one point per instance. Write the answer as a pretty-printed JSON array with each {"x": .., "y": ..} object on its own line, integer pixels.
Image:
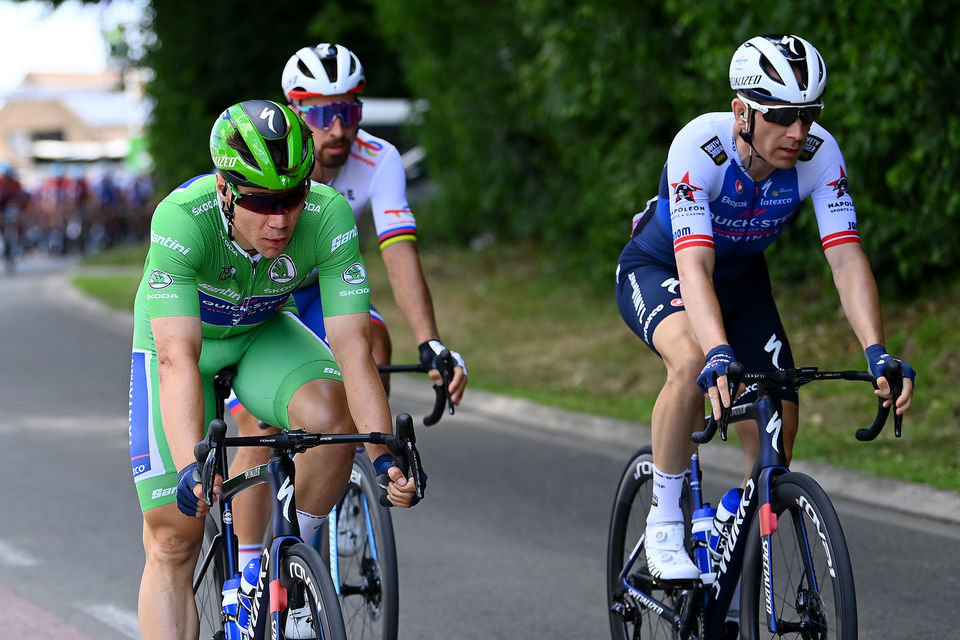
[
  {"x": 781, "y": 68},
  {"x": 324, "y": 70}
]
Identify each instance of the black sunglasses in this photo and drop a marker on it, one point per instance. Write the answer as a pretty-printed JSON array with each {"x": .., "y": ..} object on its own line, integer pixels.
[
  {"x": 273, "y": 203},
  {"x": 787, "y": 114}
]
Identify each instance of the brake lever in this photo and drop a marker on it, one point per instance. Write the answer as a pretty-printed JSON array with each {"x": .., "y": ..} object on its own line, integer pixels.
[
  {"x": 445, "y": 365},
  {"x": 893, "y": 372},
  {"x": 207, "y": 453}
]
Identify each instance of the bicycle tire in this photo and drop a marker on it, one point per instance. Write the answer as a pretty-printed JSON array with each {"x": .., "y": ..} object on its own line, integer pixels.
[
  {"x": 830, "y": 609},
  {"x": 628, "y": 521},
  {"x": 307, "y": 582},
  {"x": 209, "y": 593},
  {"x": 369, "y": 580}
]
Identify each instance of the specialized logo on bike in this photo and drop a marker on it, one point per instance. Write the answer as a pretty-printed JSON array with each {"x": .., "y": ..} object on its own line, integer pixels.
[
  {"x": 159, "y": 280},
  {"x": 773, "y": 428},
  {"x": 683, "y": 190},
  {"x": 282, "y": 270},
  {"x": 285, "y": 495},
  {"x": 355, "y": 274}
]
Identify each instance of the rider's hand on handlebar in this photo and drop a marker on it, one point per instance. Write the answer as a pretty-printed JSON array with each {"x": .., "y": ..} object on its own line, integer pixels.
[
  {"x": 428, "y": 356},
  {"x": 190, "y": 498},
  {"x": 401, "y": 491},
  {"x": 876, "y": 358},
  {"x": 713, "y": 378}
]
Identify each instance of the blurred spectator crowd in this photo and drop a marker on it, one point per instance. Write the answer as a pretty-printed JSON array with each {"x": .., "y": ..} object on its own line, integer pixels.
[{"x": 72, "y": 210}]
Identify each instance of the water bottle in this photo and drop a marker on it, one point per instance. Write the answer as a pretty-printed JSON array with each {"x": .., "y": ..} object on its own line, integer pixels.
[
  {"x": 726, "y": 512},
  {"x": 231, "y": 586},
  {"x": 247, "y": 583},
  {"x": 702, "y": 526}
]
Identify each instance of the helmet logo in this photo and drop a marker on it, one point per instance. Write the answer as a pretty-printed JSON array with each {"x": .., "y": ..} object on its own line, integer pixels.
[
  {"x": 224, "y": 162},
  {"x": 790, "y": 41},
  {"x": 283, "y": 270},
  {"x": 267, "y": 114}
]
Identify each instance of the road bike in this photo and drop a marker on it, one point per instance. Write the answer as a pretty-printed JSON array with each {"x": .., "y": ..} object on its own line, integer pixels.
[
  {"x": 293, "y": 595},
  {"x": 785, "y": 544},
  {"x": 357, "y": 540}
]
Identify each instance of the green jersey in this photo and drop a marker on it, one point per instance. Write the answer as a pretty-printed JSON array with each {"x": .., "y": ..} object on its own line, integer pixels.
[{"x": 193, "y": 268}]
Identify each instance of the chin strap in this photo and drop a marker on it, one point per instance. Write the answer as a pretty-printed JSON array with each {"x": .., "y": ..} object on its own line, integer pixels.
[
  {"x": 227, "y": 207},
  {"x": 747, "y": 136}
]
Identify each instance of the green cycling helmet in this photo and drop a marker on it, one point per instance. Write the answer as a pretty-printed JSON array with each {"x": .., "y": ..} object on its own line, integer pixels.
[{"x": 260, "y": 143}]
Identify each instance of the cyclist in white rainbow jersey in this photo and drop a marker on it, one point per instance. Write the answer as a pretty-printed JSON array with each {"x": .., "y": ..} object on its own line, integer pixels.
[
  {"x": 323, "y": 84},
  {"x": 692, "y": 282}
]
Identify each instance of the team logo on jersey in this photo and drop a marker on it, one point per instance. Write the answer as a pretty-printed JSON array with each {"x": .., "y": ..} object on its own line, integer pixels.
[
  {"x": 683, "y": 190},
  {"x": 159, "y": 280},
  {"x": 810, "y": 147},
  {"x": 282, "y": 270},
  {"x": 738, "y": 186},
  {"x": 229, "y": 272},
  {"x": 840, "y": 184},
  {"x": 714, "y": 149},
  {"x": 355, "y": 274}
]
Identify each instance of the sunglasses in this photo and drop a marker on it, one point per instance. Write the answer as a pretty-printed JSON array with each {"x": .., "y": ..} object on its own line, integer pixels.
[
  {"x": 786, "y": 115},
  {"x": 322, "y": 115},
  {"x": 272, "y": 203}
]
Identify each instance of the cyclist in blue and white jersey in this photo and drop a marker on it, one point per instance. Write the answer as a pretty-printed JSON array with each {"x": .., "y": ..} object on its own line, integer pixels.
[
  {"x": 322, "y": 84},
  {"x": 692, "y": 282}
]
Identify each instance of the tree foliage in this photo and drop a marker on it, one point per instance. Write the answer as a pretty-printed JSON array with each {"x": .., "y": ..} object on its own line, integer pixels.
[
  {"x": 210, "y": 55},
  {"x": 551, "y": 118}
]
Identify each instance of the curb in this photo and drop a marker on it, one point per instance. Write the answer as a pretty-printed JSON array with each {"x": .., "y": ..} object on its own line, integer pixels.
[{"x": 907, "y": 498}]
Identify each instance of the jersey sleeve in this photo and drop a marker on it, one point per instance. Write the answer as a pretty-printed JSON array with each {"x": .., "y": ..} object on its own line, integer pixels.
[
  {"x": 690, "y": 180},
  {"x": 392, "y": 217},
  {"x": 173, "y": 260},
  {"x": 341, "y": 274},
  {"x": 832, "y": 203}
]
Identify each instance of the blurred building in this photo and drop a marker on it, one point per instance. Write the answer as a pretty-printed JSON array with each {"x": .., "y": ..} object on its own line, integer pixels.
[{"x": 70, "y": 119}]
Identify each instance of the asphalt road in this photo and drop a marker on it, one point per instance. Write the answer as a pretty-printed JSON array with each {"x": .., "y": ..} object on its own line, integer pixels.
[{"x": 509, "y": 543}]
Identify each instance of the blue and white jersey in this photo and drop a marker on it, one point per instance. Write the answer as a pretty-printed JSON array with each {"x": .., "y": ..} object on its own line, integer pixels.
[{"x": 707, "y": 198}]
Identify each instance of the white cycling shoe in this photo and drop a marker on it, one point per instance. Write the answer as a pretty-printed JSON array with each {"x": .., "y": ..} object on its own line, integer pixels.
[
  {"x": 299, "y": 624},
  {"x": 667, "y": 558}
]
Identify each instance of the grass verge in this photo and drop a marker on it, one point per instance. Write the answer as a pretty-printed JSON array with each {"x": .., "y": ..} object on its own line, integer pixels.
[{"x": 529, "y": 330}]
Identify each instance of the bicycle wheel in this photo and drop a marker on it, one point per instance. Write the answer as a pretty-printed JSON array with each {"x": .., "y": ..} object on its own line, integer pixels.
[
  {"x": 208, "y": 593},
  {"x": 811, "y": 575},
  {"x": 312, "y": 608},
  {"x": 628, "y": 619},
  {"x": 366, "y": 558}
]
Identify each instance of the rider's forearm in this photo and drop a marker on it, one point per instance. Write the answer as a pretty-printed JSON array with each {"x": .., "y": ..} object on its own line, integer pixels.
[
  {"x": 700, "y": 301},
  {"x": 181, "y": 408},
  {"x": 410, "y": 289},
  {"x": 857, "y": 289}
]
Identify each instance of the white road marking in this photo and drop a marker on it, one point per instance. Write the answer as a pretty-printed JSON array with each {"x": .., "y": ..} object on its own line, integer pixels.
[
  {"x": 121, "y": 620},
  {"x": 11, "y": 556}
]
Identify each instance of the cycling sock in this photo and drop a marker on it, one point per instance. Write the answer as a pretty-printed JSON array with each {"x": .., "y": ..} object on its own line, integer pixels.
[
  {"x": 309, "y": 524},
  {"x": 247, "y": 552},
  {"x": 666, "y": 498}
]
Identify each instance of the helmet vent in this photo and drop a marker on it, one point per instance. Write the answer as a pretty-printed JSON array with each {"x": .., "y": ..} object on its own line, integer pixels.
[{"x": 236, "y": 141}]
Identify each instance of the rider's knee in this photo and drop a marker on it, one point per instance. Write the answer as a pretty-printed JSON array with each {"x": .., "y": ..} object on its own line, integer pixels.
[{"x": 171, "y": 541}]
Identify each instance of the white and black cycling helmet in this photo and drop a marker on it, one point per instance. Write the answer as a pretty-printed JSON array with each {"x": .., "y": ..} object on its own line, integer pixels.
[
  {"x": 781, "y": 68},
  {"x": 324, "y": 70}
]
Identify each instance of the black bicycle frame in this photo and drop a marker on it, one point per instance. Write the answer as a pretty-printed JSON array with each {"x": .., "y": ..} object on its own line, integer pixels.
[{"x": 770, "y": 463}]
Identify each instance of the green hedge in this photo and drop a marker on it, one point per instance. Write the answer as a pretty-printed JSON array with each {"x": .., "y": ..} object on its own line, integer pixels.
[{"x": 551, "y": 119}]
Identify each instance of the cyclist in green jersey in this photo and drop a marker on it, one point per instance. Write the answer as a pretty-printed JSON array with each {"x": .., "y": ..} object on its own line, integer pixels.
[{"x": 226, "y": 252}]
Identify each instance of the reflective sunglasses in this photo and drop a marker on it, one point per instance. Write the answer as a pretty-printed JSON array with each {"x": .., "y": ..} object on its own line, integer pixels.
[
  {"x": 322, "y": 115},
  {"x": 785, "y": 115},
  {"x": 274, "y": 203}
]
